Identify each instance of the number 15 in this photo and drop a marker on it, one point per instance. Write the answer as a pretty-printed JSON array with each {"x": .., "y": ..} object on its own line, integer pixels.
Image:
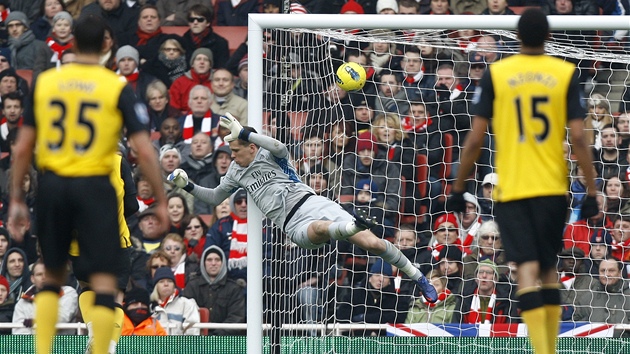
[{"x": 536, "y": 114}]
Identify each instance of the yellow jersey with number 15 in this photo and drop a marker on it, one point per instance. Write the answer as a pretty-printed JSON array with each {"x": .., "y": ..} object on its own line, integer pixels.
[
  {"x": 77, "y": 119},
  {"x": 532, "y": 95}
]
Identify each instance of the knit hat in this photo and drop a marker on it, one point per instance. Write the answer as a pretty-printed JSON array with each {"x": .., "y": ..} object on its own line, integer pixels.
[
  {"x": 448, "y": 217},
  {"x": 366, "y": 185},
  {"x": 4, "y": 282},
  {"x": 134, "y": 295},
  {"x": 127, "y": 51},
  {"x": 381, "y": 267},
  {"x": 225, "y": 149},
  {"x": 352, "y": 6},
  {"x": 204, "y": 51},
  {"x": 166, "y": 148},
  {"x": 386, "y": 4},
  {"x": 601, "y": 236},
  {"x": 451, "y": 252},
  {"x": 212, "y": 250},
  {"x": 366, "y": 141},
  {"x": 17, "y": 16},
  {"x": 240, "y": 194},
  {"x": 6, "y": 52},
  {"x": 62, "y": 15},
  {"x": 243, "y": 63},
  {"x": 488, "y": 263},
  {"x": 163, "y": 273}
]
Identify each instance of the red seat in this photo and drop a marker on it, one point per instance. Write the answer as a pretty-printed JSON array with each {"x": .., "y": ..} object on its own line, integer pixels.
[
  {"x": 204, "y": 317},
  {"x": 207, "y": 218},
  {"x": 27, "y": 75},
  {"x": 235, "y": 35},
  {"x": 445, "y": 168}
]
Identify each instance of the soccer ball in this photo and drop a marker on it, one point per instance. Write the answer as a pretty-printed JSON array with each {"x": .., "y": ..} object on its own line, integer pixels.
[{"x": 351, "y": 76}]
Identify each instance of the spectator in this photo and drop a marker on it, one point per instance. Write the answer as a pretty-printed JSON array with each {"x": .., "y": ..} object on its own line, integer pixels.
[
  {"x": 139, "y": 320},
  {"x": 177, "y": 211},
  {"x": 170, "y": 134},
  {"x": 5, "y": 244},
  {"x": 406, "y": 240},
  {"x": 201, "y": 35},
  {"x": 370, "y": 163},
  {"x": 272, "y": 6},
  {"x": 199, "y": 74},
  {"x": 224, "y": 99},
  {"x": 230, "y": 13},
  {"x": 194, "y": 236},
  {"x": 386, "y": 7},
  {"x": 242, "y": 81},
  {"x": 342, "y": 141},
  {"x": 317, "y": 179},
  {"x": 25, "y": 308},
  {"x": 616, "y": 194},
  {"x": 445, "y": 233},
  {"x": 373, "y": 302},
  {"x": 15, "y": 270},
  {"x": 60, "y": 40},
  {"x": 159, "y": 109},
  {"x": 486, "y": 202},
  {"x": 127, "y": 60},
  {"x": 175, "y": 13},
  {"x": 5, "y": 58},
  {"x": 313, "y": 152},
  {"x": 608, "y": 160},
  {"x": 497, "y": 7},
  {"x": 422, "y": 311},
  {"x": 170, "y": 62},
  {"x": 10, "y": 82},
  {"x": 442, "y": 7},
  {"x": 156, "y": 260},
  {"x": 571, "y": 270},
  {"x": 12, "y": 109},
  {"x": 42, "y": 26},
  {"x": 470, "y": 222},
  {"x": 381, "y": 53},
  {"x": 230, "y": 234},
  {"x": 184, "y": 267},
  {"x": 418, "y": 84},
  {"x": 363, "y": 115},
  {"x": 606, "y": 300},
  {"x": 449, "y": 263},
  {"x": 476, "y": 67},
  {"x": 144, "y": 192},
  {"x": 600, "y": 249},
  {"x": 578, "y": 234},
  {"x": 149, "y": 236},
  {"x": 220, "y": 161},
  {"x": 369, "y": 197},
  {"x": 409, "y": 7},
  {"x": 170, "y": 158},
  {"x": 7, "y": 305},
  {"x": 578, "y": 192},
  {"x": 623, "y": 128},
  {"x": 148, "y": 37},
  {"x": 620, "y": 246},
  {"x": 122, "y": 19},
  {"x": 488, "y": 246},
  {"x": 176, "y": 313},
  {"x": 214, "y": 291},
  {"x": 22, "y": 42},
  {"x": 485, "y": 300},
  {"x": 110, "y": 46},
  {"x": 197, "y": 157}
]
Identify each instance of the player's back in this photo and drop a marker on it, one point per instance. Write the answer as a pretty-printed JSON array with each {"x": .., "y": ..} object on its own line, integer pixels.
[
  {"x": 77, "y": 119},
  {"x": 530, "y": 115}
]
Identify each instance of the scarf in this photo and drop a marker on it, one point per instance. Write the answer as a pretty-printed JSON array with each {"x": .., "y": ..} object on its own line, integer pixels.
[
  {"x": 189, "y": 126},
  {"x": 620, "y": 249},
  {"x": 475, "y": 309},
  {"x": 470, "y": 236},
  {"x": 4, "y": 127},
  {"x": 143, "y": 37},
  {"x": 409, "y": 128},
  {"x": 170, "y": 298},
  {"x": 238, "y": 244},
  {"x": 567, "y": 279},
  {"x": 4, "y": 14},
  {"x": 415, "y": 78},
  {"x": 441, "y": 297},
  {"x": 437, "y": 247},
  {"x": 144, "y": 203},
  {"x": 16, "y": 43},
  {"x": 200, "y": 78},
  {"x": 197, "y": 38},
  {"x": 180, "y": 272},
  {"x": 132, "y": 79},
  {"x": 58, "y": 48},
  {"x": 176, "y": 67}
]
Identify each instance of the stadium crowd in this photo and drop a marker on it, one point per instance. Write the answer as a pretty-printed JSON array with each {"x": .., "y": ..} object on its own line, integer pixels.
[{"x": 392, "y": 148}]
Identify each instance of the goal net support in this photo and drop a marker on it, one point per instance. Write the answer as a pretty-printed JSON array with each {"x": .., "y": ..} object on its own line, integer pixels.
[{"x": 292, "y": 96}]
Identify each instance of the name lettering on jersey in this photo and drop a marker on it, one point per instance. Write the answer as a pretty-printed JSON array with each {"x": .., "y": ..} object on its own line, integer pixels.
[
  {"x": 76, "y": 85},
  {"x": 530, "y": 76},
  {"x": 260, "y": 180}
]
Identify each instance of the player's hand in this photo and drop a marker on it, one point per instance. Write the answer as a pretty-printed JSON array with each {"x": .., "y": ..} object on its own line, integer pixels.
[
  {"x": 162, "y": 215},
  {"x": 19, "y": 220},
  {"x": 456, "y": 202},
  {"x": 589, "y": 207},
  {"x": 179, "y": 177},
  {"x": 229, "y": 122}
]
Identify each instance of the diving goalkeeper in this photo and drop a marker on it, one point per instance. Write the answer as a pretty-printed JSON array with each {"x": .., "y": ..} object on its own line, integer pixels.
[{"x": 261, "y": 166}]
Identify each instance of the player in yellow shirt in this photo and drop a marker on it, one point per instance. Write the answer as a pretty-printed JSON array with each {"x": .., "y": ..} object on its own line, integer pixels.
[
  {"x": 73, "y": 119},
  {"x": 530, "y": 98}
]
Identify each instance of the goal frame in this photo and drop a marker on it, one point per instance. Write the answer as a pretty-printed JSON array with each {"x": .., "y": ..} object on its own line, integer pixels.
[{"x": 259, "y": 22}]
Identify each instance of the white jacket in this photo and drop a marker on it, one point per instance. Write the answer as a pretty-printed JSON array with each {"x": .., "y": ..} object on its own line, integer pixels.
[
  {"x": 25, "y": 309},
  {"x": 178, "y": 313}
]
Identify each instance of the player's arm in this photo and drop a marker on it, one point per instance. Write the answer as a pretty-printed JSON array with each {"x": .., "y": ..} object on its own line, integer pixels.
[
  {"x": 131, "y": 205},
  {"x": 136, "y": 119},
  {"x": 470, "y": 152},
  {"x": 212, "y": 196},
  {"x": 274, "y": 146}
]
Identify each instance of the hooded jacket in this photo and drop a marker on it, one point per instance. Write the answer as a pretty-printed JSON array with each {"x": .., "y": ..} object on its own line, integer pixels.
[
  {"x": 222, "y": 296},
  {"x": 25, "y": 309},
  {"x": 19, "y": 285}
]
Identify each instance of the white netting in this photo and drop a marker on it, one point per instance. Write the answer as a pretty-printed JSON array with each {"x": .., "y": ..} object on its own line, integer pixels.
[{"x": 304, "y": 109}]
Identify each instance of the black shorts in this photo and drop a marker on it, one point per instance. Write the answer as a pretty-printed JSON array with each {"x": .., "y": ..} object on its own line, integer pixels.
[
  {"x": 121, "y": 269},
  {"x": 531, "y": 229},
  {"x": 81, "y": 207}
]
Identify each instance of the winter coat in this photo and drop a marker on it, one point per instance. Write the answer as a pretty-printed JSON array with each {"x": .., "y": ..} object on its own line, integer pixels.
[
  {"x": 503, "y": 311},
  {"x": 6, "y": 314},
  {"x": 234, "y": 104},
  {"x": 222, "y": 296},
  {"x": 177, "y": 313},
  {"x": 123, "y": 20},
  {"x": 20, "y": 285},
  {"x": 41, "y": 28},
  {"x": 217, "y": 44},
  {"x": 25, "y": 309},
  {"x": 180, "y": 90},
  {"x": 600, "y": 305},
  {"x": 24, "y": 50},
  {"x": 442, "y": 312}
]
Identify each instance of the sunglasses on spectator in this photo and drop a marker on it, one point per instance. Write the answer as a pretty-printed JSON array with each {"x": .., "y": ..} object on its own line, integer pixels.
[
  {"x": 486, "y": 237},
  {"x": 156, "y": 266},
  {"x": 240, "y": 201},
  {"x": 192, "y": 19},
  {"x": 193, "y": 227},
  {"x": 478, "y": 66},
  {"x": 175, "y": 248},
  {"x": 447, "y": 229},
  {"x": 3, "y": 60}
]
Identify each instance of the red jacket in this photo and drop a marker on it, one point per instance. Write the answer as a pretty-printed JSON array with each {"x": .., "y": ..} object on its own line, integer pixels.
[
  {"x": 579, "y": 233},
  {"x": 180, "y": 89}
]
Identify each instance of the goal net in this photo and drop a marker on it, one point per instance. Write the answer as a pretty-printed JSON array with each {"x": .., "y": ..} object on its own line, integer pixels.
[{"x": 393, "y": 148}]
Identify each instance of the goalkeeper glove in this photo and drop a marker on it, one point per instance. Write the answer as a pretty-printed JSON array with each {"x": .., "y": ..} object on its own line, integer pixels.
[
  {"x": 589, "y": 207},
  {"x": 456, "y": 202},
  {"x": 229, "y": 122},
  {"x": 178, "y": 177}
]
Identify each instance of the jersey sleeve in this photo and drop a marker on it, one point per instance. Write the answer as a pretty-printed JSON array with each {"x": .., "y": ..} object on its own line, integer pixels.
[
  {"x": 134, "y": 112},
  {"x": 29, "y": 109},
  {"x": 575, "y": 101},
  {"x": 484, "y": 97}
]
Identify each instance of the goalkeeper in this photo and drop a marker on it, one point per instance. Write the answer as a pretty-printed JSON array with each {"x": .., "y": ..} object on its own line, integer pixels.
[{"x": 261, "y": 166}]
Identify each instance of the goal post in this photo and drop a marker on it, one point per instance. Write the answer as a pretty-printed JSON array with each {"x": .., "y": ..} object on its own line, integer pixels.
[{"x": 328, "y": 26}]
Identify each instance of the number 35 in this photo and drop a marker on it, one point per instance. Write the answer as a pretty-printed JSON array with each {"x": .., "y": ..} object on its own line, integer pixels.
[{"x": 81, "y": 120}]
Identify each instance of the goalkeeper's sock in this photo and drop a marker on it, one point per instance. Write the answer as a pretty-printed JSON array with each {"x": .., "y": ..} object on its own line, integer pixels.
[
  {"x": 393, "y": 256},
  {"x": 341, "y": 230},
  {"x": 551, "y": 299},
  {"x": 119, "y": 316},
  {"x": 535, "y": 317},
  {"x": 103, "y": 322},
  {"x": 47, "y": 301}
]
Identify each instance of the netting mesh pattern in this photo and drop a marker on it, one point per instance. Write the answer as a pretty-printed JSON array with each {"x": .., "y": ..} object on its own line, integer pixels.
[{"x": 413, "y": 114}]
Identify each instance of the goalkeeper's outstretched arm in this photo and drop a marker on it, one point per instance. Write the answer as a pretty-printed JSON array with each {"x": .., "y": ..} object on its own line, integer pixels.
[
  {"x": 237, "y": 131},
  {"x": 212, "y": 196}
]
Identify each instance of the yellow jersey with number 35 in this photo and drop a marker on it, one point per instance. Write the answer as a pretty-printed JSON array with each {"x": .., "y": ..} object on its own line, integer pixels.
[
  {"x": 78, "y": 120},
  {"x": 529, "y": 99}
]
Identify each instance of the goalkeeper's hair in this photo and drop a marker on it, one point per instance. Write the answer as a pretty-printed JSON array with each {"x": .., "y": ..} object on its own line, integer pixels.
[{"x": 533, "y": 28}]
